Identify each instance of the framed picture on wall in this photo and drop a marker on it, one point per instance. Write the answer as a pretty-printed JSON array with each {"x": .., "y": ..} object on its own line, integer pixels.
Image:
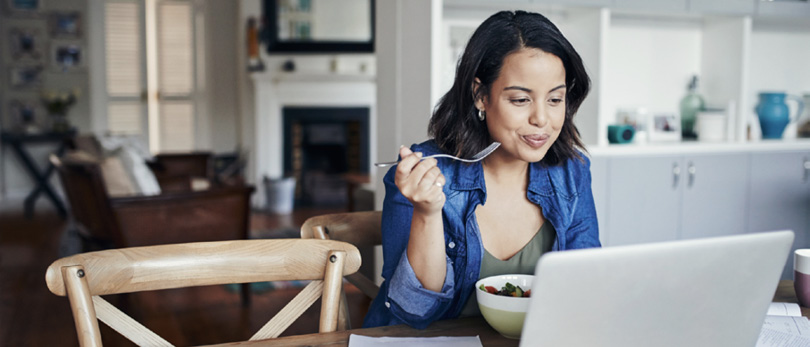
[
  {"x": 25, "y": 115},
  {"x": 65, "y": 24},
  {"x": 26, "y": 44},
  {"x": 67, "y": 56},
  {"x": 23, "y": 7},
  {"x": 25, "y": 77}
]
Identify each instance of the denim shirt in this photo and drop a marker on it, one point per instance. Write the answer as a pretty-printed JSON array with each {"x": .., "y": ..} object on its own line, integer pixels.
[{"x": 563, "y": 192}]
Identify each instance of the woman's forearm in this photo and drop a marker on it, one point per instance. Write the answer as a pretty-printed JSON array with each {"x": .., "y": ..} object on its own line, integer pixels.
[{"x": 426, "y": 250}]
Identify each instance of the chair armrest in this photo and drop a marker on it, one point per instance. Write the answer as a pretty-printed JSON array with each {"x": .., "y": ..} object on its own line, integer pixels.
[{"x": 211, "y": 215}]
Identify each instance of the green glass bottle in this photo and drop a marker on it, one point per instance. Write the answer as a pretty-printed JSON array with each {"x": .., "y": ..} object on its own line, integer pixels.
[{"x": 690, "y": 105}]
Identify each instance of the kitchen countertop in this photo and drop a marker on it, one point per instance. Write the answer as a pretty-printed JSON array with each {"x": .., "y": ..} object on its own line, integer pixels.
[{"x": 697, "y": 147}]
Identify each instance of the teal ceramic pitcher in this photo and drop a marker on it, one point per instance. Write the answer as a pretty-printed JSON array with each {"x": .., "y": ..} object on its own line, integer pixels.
[{"x": 774, "y": 114}]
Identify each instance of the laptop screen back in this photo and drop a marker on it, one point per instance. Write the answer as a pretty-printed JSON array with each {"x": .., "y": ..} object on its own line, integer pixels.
[{"x": 704, "y": 292}]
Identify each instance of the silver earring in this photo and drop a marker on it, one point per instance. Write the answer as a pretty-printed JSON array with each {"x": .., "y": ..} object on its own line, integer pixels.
[{"x": 482, "y": 115}]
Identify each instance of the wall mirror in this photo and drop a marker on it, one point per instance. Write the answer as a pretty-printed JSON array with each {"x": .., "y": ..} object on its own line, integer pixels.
[{"x": 319, "y": 26}]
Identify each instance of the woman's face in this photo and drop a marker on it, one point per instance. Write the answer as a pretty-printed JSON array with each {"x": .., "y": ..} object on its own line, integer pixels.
[{"x": 525, "y": 108}]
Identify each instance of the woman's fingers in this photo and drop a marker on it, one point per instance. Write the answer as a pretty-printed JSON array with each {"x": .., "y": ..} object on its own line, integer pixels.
[
  {"x": 407, "y": 162},
  {"x": 420, "y": 181}
]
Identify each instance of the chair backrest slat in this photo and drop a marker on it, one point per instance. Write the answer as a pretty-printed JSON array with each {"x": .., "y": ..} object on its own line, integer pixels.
[
  {"x": 294, "y": 309},
  {"x": 125, "y": 325}
]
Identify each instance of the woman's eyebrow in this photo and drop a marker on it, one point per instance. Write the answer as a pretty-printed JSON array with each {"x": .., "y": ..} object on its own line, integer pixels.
[{"x": 527, "y": 90}]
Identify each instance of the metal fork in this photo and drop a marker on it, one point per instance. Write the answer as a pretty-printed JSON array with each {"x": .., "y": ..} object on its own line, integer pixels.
[{"x": 477, "y": 157}]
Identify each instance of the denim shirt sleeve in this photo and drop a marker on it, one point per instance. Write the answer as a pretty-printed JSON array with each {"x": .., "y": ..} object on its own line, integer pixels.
[
  {"x": 406, "y": 299},
  {"x": 584, "y": 229}
]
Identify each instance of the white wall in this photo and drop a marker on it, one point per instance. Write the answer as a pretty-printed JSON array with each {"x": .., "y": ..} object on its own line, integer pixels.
[
  {"x": 222, "y": 24},
  {"x": 407, "y": 74},
  {"x": 637, "y": 51}
]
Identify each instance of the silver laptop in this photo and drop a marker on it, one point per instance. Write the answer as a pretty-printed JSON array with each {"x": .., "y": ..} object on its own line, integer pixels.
[{"x": 703, "y": 292}]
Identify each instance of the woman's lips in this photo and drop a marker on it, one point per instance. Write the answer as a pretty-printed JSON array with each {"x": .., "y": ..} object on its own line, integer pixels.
[{"x": 536, "y": 141}]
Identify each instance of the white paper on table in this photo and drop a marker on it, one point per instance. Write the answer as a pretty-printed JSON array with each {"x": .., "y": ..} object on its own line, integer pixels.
[
  {"x": 441, "y": 341},
  {"x": 784, "y": 309},
  {"x": 774, "y": 338},
  {"x": 799, "y": 326}
]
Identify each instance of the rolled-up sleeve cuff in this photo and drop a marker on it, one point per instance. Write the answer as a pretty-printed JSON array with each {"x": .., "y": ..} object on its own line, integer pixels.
[{"x": 409, "y": 295}]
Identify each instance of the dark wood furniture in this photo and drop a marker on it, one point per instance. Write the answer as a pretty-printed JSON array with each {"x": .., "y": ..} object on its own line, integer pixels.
[
  {"x": 219, "y": 213},
  {"x": 452, "y": 327},
  {"x": 175, "y": 171},
  {"x": 18, "y": 142}
]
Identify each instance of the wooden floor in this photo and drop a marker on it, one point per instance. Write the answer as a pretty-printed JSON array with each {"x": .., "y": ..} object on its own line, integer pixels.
[{"x": 31, "y": 316}]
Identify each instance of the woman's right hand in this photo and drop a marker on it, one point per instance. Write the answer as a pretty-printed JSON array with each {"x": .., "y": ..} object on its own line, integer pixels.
[{"x": 420, "y": 181}]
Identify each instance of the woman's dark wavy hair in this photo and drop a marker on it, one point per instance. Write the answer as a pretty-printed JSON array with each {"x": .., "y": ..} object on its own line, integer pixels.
[{"x": 455, "y": 126}]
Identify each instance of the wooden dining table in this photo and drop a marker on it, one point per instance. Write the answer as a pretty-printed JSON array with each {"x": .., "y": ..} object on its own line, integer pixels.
[{"x": 472, "y": 326}]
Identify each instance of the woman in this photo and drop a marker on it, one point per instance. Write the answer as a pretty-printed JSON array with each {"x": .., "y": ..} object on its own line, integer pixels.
[{"x": 447, "y": 223}]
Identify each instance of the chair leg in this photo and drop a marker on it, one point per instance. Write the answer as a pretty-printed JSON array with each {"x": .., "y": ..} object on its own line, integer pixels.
[{"x": 245, "y": 294}]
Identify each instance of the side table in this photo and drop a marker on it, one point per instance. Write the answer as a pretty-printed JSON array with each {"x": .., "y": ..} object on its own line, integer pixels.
[{"x": 17, "y": 142}]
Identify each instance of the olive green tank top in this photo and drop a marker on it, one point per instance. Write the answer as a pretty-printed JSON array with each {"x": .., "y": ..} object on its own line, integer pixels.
[{"x": 523, "y": 262}]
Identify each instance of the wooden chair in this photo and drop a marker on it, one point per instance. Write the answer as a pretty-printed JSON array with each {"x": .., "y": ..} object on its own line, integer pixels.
[
  {"x": 361, "y": 229},
  {"x": 84, "y": 277}
]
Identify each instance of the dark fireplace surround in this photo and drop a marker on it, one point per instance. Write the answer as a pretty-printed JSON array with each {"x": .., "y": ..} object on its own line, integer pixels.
[{"x": 321, "y": 145}]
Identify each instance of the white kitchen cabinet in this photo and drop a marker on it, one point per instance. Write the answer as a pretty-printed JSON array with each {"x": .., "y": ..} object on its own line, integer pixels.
[
  {"x": 792, "y": 8},
  {"x": 715, "y": 195},
  {"x": 723, "y": 7},
  {"x": 671, "y": 197},
  {"x": 780, "y": 197},
  {"x": 667, "y": 6},
  {"x": 643, "y": 199}
]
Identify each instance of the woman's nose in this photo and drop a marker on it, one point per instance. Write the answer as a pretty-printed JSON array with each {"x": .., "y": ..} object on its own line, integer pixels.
[{"x": 539, "y": 116}]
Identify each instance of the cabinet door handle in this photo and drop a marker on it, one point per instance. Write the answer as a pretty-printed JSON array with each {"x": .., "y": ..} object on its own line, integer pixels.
[
  {"x": 806, "y": 169},
  {"x": 676, "y": 175},
  {"x": 691, "y": 170}
]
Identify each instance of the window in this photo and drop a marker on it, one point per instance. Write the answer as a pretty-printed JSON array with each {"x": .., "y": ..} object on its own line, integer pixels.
[{"x": 150, "y": 80}]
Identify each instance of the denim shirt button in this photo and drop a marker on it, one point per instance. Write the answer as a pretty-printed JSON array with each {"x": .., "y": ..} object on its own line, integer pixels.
[
  {"x": 387, "y": 304},
  {"x": 451, "y": 244}
]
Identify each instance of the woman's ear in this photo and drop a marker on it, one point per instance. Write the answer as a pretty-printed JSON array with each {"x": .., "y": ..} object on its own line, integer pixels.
[{"x": 479, "y": 99}]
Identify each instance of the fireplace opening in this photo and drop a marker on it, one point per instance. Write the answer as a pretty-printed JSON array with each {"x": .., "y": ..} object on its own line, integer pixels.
[{"x": 321, "y": 146}]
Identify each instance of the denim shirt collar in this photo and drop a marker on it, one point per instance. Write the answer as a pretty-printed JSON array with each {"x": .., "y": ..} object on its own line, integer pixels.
[{"x": 471, "y": 177}]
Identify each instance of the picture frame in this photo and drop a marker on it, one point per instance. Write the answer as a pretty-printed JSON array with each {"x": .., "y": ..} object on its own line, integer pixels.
[
  {"x": 65, "y": 24},
  {"x": 24, "y": 8},
  {"x": 26, "y": 44},
  {"x": 25, "y": 77},
  {"x": 298, "y": 26},
  {"x": 26, "y": 115},
  {"x": 68, "y": 56},
  {"x": 664, "y": 127}
]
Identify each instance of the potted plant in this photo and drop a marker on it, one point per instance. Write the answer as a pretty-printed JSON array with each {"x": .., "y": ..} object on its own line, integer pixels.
[{"x": 58, "y": 103}]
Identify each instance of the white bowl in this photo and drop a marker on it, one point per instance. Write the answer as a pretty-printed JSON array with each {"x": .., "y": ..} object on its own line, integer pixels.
[{"x": 504, "y": 313}]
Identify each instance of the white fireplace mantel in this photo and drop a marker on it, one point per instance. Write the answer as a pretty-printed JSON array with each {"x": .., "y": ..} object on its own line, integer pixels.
[{"x": 276, "y": 90}]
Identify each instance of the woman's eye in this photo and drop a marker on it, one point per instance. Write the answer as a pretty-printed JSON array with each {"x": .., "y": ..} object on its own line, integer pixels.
[
  {"x": 520, "y": 101},
  {"x": 555, "y": 101}
]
